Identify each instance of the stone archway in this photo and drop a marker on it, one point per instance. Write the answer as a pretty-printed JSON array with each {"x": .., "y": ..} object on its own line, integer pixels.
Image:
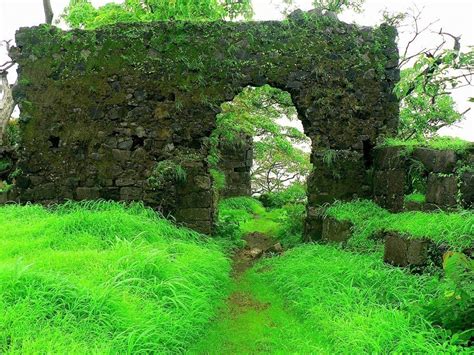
[{"x": 124, "y": 98}]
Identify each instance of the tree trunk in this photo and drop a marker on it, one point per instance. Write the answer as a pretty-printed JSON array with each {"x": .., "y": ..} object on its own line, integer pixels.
[
  {"x": 7, "y": 104},
  {"x": 48, "y": 11}
]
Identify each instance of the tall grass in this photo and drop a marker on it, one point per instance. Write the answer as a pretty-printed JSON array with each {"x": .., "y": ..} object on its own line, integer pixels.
[
  {"x": 354, "y": 304},
  {"x": 104, "y": 278},
  {"x": 455, "y": 229}
]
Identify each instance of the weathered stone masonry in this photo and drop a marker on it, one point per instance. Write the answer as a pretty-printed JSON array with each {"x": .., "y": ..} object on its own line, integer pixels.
[{"x": 100, "y": 108}]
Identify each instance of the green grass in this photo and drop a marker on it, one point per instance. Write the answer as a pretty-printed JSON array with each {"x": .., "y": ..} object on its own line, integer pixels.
[
  {"x": 257, "y": 320},
  {"x": 353, "y": 304},
  {"x": 104, "y": 278},
  {"x": 455, "y": 229},
  {"x": 438, "y": 143},
  {"x": 247, "y": 204},
  {"x": 415, "y": 197},
  {"x": 249, "y": 216}
]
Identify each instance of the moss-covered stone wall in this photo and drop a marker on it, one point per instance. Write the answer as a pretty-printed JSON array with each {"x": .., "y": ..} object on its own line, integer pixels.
[{"x": 100, "y": 108}]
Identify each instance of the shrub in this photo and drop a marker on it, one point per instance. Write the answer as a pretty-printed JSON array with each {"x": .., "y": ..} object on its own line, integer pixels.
[
  {"x": 166, "y": 171},
  {"x": 453, "y": 308},
  {"x": 292, "y": 225},
  {"x": 248, "y": 204},
  {"x": 295, "y": 193}
]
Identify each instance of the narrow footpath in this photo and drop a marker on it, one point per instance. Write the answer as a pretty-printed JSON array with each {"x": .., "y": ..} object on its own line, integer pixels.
[{"x": 255, "y": 319}]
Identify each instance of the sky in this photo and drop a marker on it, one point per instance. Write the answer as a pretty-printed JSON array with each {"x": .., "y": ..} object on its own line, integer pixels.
[{"x": 455, "y": 16}]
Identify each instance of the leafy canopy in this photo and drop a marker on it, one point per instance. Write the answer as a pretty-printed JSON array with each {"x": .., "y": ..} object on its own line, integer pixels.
[
  {"x": 426, "y": 104},
  {"x": 257, "y": 113},
  {"x": 82, "y": 14}
]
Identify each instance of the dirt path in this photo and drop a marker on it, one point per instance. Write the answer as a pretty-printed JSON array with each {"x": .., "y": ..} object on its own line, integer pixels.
[
  {"x": 255, "y": 319},
  {"x": 257, "y": 244}
]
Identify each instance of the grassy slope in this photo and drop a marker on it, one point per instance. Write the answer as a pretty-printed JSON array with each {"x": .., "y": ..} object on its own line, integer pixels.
[
  {"x": 356, "y": 304},
  {"x": 320, "y": 299},
  {"x": 455, "y": 229},
  {"x": 101, "y": 278}
]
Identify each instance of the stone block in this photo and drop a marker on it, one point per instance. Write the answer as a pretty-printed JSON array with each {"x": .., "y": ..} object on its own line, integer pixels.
[
  {"x": 87, "y": 193},
  {"x": 389, "y": 158},
  {"x": 110, "y": 193},
  {"x": 46, "y": 191},
  {"x": 336, "y": 231},
  {"x": 124, "y": 182},
  {"x": 120, "y": 155},
  {"x": 467, "y": 189},
  {"x": 204, "y": 227},
  {"x": 437, "y": 161},
  {"x": 441, "y": 190},
  {"x": 389, "y": 182},
  {"x": 401, "y": 251},
  {"x": 414, "y": 206},
  {"x": 130, "y": 193},
  {"x": 196, "y": 199},
  {"x": 389, "y": 188},
  {"x": 313, "y": 228},
  {"x": 193, "y": 214}
]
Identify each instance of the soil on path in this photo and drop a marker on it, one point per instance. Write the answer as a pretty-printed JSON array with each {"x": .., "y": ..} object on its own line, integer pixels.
[{"x": 255, "y": 319}]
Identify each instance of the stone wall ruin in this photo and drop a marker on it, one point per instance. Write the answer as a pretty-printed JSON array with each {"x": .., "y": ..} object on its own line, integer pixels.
[{"x": 100, "y": 109}]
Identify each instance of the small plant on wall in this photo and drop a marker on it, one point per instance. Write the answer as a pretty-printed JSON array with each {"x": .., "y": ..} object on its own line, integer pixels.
[{"x": 167, "y": 171}]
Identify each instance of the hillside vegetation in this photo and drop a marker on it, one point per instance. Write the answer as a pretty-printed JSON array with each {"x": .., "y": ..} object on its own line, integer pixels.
[{"x": 104, "y": 278}]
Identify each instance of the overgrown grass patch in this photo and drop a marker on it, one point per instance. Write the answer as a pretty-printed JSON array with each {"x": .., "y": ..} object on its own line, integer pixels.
[
  {"x": 438, "y": 143},
  {"x": 415, "y": 197},
  {"x": 356, "y": 304},
  {"x": 455, "y": 229},
  {"x": 104, "y": 278}
]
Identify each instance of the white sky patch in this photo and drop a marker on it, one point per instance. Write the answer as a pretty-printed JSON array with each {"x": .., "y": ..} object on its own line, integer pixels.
[{"x": 455, "y": 17}]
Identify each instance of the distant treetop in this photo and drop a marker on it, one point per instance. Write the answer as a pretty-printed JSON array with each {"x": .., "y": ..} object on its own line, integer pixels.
[{"x": 82, "y": 14}]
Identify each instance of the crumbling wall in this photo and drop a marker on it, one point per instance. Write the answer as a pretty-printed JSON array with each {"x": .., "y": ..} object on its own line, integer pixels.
[
  {"x": 449, "y": 177},
  {"x": 100, "y": 109},
  {"x": 236, "y": 163}
]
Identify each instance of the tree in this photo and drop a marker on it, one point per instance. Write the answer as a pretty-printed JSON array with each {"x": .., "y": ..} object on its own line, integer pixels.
[
  {"x": 258, "y": 113},
  {"x": 7, "y": 103},
  {"x": 334, "y": 6},
  {"x": 48, "y": 11},
  {"x": 429, "y": 76},
  {"x": 277, "y": 164},
  {"x": 82, "y": 14}
]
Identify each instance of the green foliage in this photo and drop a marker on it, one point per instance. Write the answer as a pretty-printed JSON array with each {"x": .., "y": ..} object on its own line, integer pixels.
[
  {"x": 453, "y": 308},
  {"x": 218, "y": 178},
  {"x": 290, "y": 233},
  {"x": 256, "y": 113},
  {"x": 82, "y": 14},
  {"x": 247, "y": 204},
  {"x": 99, "y": 277},
  {"x": 417, "y": 178},
  {"x": 166, "y": 172},
  {"x": 424, "y": 91},
  {"x": 12, "y": 134},
  {"x": 455, "y": 229},
  {"x": 295, "y": 193},
  {"x": 5, "y": 186},
  {"x": 355, "y": 304},
  {"x": 415, "y": 197},
  {"x": 5, "y": 164},
  {"x": 438, "y": 143},
  {"x": 233, "y": 214}
]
